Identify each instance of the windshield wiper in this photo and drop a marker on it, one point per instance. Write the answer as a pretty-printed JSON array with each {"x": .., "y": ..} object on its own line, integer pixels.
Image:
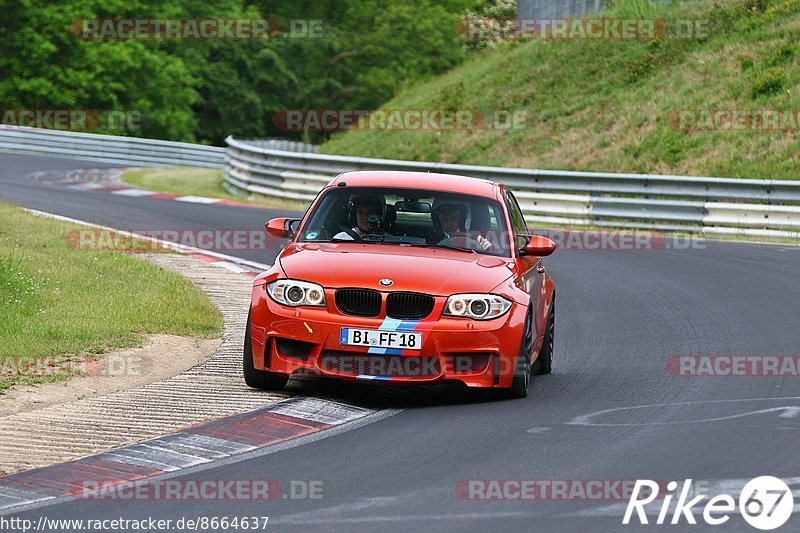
[
  {"x": 373, "y": 240},
  {"x": 447, "y": 247}
]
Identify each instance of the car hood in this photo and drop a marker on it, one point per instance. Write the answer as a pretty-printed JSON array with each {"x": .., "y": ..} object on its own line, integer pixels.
[{"x": 428, "y": 270}]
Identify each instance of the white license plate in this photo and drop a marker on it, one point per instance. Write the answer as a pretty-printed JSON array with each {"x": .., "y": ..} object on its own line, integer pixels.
[{"x": 404, "y": 340}]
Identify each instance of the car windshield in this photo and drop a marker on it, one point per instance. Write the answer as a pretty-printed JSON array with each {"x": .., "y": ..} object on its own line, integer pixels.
[{"x": 408, "y": 217}]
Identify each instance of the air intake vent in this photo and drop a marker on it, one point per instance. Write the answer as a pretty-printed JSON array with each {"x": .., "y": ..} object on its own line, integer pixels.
[
  {"x": 409, "y": 305},
  {"x": 355, "y": 364},
  {"x": 359, "y": 302}
]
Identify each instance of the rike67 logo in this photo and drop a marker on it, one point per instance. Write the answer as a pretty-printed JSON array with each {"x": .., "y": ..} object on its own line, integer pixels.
[{"x": 765, "y": 503}]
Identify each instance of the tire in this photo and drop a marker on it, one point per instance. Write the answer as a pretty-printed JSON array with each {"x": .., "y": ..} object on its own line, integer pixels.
[
  {"x": 522, "y": 373},
  {"x": 259, "y": 379},
  {"x": 545, "y": 359}
]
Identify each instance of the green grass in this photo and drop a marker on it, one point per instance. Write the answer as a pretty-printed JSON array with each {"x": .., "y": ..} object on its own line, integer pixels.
[
  {"x": 610, "y": 105},
  {"x": 69, "y": 304},
  {"x": 199, "y": 182}
]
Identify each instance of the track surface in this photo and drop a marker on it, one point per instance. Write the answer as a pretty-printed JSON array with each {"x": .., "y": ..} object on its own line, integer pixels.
[{"x": 621, "y": 315}]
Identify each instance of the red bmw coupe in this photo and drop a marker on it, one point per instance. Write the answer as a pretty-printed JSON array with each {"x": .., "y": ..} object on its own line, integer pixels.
[{"x": 405, "y": 277}]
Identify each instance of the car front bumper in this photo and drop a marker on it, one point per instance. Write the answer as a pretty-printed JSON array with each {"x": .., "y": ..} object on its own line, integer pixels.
[{"x": 307, "y": 340}]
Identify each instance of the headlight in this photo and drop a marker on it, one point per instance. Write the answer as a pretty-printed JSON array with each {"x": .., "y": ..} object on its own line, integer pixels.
[
  {"x": 295, "y": 293},
  {"x": 476, "y": 306}
]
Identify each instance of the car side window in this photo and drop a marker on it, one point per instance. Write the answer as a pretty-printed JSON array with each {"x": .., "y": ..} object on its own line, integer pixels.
[{"x": 518, "y": 225}]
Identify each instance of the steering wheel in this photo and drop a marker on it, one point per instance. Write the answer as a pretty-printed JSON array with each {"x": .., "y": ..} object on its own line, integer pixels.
[
  {"x": 459, "y": 238},
  {"x": 350, "y": 232}
]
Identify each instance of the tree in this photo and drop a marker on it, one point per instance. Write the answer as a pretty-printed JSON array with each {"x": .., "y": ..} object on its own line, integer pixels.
[
  {"x": 45, "y": 66},
  {"x": 207, "y": 89}
]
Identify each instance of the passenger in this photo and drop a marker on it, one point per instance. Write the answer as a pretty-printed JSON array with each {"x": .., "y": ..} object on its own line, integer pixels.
[{"x": 450, "y": 221}]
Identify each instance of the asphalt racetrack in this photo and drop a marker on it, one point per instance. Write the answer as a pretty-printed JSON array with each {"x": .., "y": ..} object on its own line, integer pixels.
[{"x": 612, "y": 410}]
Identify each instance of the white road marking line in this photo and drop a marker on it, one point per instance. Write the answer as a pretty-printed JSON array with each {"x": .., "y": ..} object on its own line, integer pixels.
[
  {"x": 318, "y": 410},
  {"x": 15, "y": 503},
  {"x": 404, "y": 518},
  {"x": 205, "y": 442},
  {"x": 88, "y": 186},
  {"x": 165, "y": 244},
  {"x": 159, "y": 455},
  {"x": 230, "y": 266},
  {"x": 586, "y": 420},
  {"x": 119, "y": 457},
  {"x": 195, "y": 459},
  {"x": 618, "y": 509},
  {"x": 537, "y": 430},
  {"x": 190, "y": 448},
  {"x": 133, "y": 192},
  {"x": 197, "y": 199}
]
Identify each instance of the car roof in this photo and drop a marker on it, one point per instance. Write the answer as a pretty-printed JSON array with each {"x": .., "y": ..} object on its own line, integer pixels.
[{"x": 417, "y": 180}]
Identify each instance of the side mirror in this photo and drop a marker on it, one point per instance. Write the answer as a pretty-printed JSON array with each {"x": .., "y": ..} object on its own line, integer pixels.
[
  {"x": 281, "y": 227},
  {"x": 538, "y": 246}
]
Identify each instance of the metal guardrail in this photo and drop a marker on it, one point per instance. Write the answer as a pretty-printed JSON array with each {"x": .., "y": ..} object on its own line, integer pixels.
[
  {"x": 289, "y": 169},
  {"x": 542, "y": 9},
  {"x": 638, "y": 201},
  {"x": 132, "y": 151}
]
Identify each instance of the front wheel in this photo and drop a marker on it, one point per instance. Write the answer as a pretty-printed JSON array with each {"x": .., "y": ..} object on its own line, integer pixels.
[
  {"x": 255, "y": 378},
  {"x": 522, "y": 372},
  {"x": 546, "y": 353}
]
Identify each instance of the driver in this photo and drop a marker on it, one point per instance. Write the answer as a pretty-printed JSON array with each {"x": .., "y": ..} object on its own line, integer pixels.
[
  {"x": 451, "y": 218},
  {"x": 368, "y": 212}
]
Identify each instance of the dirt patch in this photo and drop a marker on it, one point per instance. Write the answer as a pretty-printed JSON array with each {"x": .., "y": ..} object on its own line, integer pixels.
[{"x": 161, "y": 357}]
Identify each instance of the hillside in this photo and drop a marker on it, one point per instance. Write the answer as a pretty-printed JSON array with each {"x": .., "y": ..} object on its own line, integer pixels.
[{"x": 614, "y": 105}]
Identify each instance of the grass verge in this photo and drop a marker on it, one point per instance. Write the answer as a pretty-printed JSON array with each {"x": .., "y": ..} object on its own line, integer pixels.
[
  {"x": 615, "y": 105},
  {"x": 64, "y": 305},
  {"x": 199, "y": 182}
]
